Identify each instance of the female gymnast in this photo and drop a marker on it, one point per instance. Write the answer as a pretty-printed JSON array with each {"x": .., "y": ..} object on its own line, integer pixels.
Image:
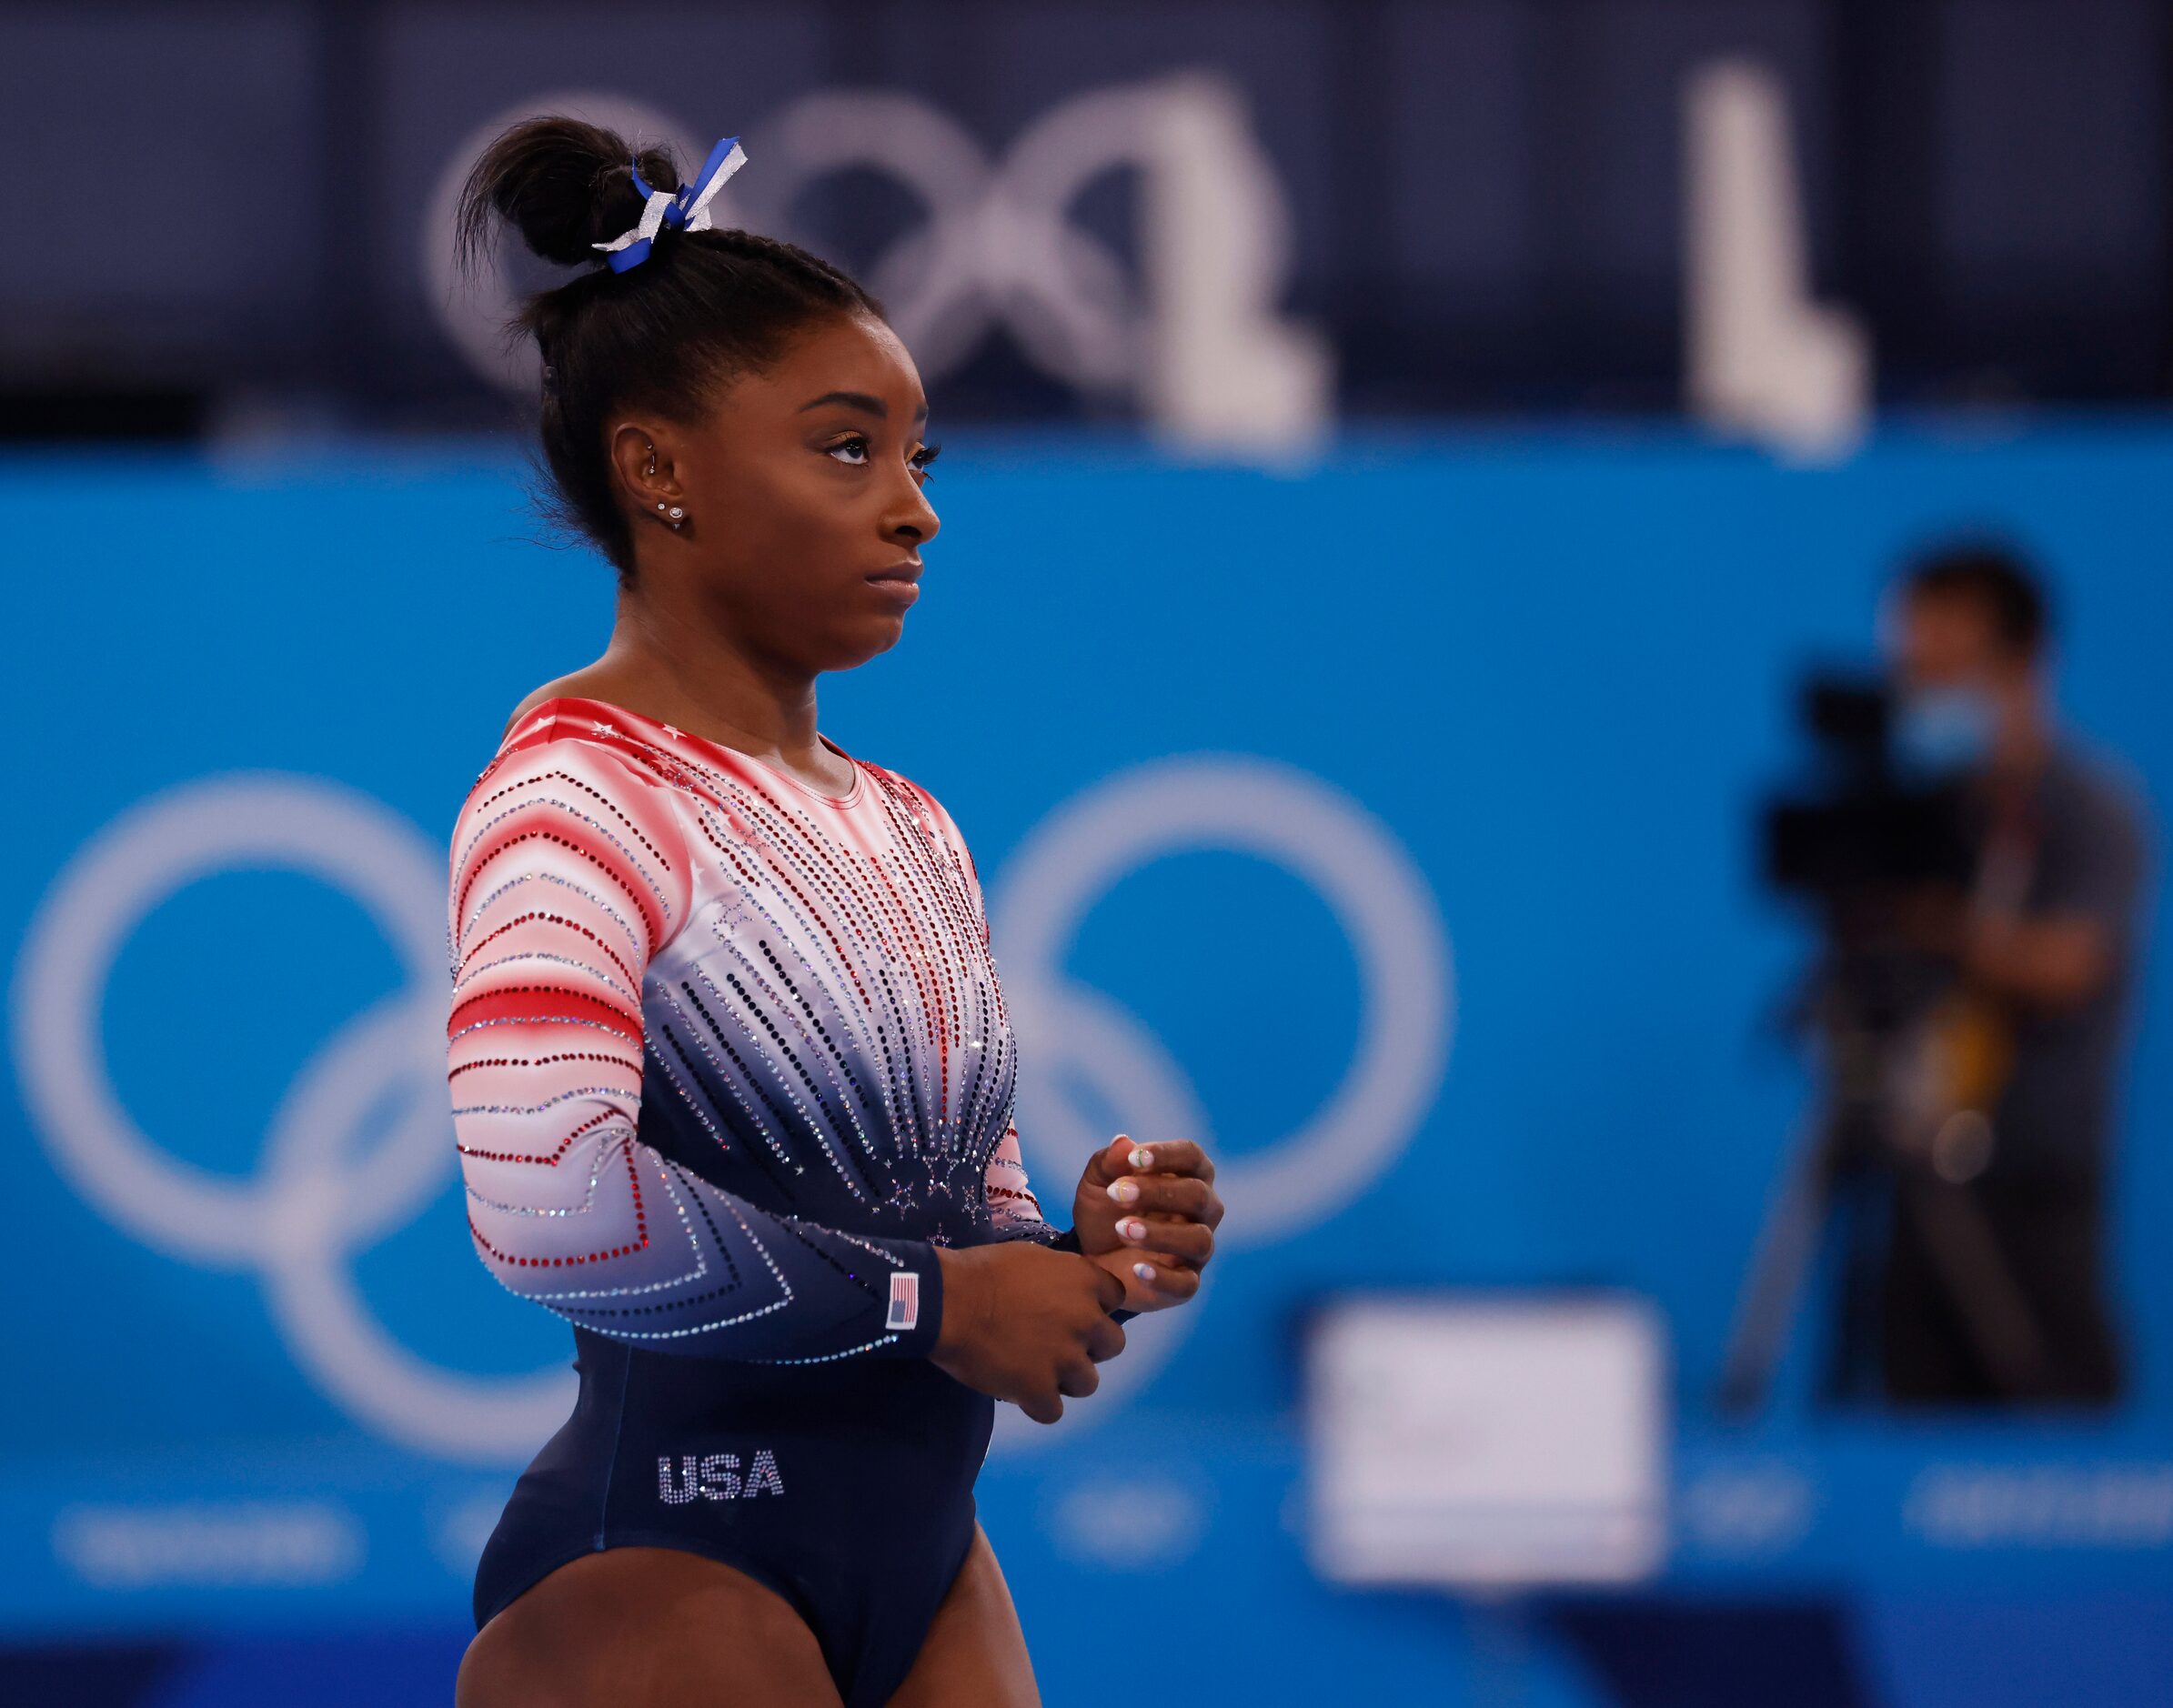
[{"x": 730, "y": 1072}]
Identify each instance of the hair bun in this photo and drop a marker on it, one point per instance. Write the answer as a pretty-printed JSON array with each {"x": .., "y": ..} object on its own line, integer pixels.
[
  {"x": 564, "y": 184},
  {"x": 725, "y": 304}
]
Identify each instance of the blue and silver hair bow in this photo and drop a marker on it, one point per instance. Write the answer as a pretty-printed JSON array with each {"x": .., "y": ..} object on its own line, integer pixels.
[{"x": 687, "y": 207}]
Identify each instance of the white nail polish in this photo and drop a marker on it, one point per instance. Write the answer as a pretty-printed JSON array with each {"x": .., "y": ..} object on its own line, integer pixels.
[
  {"x": 1132, "y": 1228},
  {"x": 1145, "y": 1272},
  {"x": 1124, "y": 1192},
  {"x": 1141, "y": 1157}
]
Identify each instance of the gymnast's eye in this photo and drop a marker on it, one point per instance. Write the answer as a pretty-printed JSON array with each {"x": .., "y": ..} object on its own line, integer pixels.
[
  {"x": 921, "y": 458},
  {"x": 857, "y": 443}
]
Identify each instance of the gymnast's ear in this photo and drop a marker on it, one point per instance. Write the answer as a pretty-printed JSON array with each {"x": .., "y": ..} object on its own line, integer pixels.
[{"x": 645, "y": 465}]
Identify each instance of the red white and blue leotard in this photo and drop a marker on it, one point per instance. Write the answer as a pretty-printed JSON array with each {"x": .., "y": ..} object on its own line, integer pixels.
[{"x": 727, "y": 1061}]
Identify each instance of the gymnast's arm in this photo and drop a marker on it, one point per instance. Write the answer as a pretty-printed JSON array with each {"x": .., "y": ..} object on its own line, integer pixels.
[{"x": 568, "y": 868}]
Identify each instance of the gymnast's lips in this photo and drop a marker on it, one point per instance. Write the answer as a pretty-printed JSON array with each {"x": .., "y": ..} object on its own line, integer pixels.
[{"x": 898, "y": 581}]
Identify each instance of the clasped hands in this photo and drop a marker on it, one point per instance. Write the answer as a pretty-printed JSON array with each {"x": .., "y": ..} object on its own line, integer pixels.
[
  {"x": 1147, "y": 1213},
  {"x": 1028, "y": 1324}
]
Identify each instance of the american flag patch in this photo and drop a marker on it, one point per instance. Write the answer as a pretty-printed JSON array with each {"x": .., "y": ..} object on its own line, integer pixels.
[{"x": 905, "y": 1300}]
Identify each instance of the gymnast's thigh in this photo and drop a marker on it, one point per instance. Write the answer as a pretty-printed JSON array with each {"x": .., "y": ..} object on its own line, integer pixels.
[
  {"x": 639, "y": 1627},
  {"x": 975, "y": 1651}
]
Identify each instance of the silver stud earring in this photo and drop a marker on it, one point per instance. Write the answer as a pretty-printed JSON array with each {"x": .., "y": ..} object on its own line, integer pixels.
[{"x": 652, "y": 459}]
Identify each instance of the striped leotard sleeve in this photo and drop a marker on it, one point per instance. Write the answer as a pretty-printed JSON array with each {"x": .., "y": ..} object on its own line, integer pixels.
[{"x": 569, "y": 869}]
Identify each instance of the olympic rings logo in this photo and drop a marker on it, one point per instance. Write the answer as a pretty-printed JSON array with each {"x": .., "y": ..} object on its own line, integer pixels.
[
  {"x": 1197, "y": 339},
  {"x": 311, "y": 1209},
  {"x": 319, "y": 1200}
]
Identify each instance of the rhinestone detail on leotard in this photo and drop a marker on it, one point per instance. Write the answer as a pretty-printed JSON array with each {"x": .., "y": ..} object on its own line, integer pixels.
[{"x": 818, "y": 1074}]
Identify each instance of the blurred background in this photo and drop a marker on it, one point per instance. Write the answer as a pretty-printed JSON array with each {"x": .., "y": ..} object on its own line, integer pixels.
[{"x": 1599, "y": 569}]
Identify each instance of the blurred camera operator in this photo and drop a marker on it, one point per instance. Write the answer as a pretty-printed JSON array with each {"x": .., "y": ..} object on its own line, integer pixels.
[{"x": 2045, "y": 940}]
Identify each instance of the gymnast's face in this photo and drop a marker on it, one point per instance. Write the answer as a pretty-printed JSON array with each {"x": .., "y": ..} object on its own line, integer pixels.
[{"x": 805, "y": 516}]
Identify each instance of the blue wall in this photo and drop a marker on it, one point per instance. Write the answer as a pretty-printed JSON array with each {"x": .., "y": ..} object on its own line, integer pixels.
[{"x": 1547, "y": 675}]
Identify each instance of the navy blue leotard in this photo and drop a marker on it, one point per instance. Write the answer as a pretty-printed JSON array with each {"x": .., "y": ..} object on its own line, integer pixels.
[{"x": 727, "y": 1061}]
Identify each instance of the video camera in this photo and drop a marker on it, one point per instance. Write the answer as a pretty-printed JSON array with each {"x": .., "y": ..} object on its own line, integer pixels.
[
  {"x": 1865, "y": 828},
  {"x": 1861, "y": 839}
]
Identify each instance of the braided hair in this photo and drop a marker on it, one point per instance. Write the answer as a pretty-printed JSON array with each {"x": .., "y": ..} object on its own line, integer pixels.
[{"x": 665, "y": 337}]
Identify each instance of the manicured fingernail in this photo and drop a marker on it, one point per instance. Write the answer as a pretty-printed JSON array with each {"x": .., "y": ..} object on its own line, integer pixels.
[
  {"x": 1145, "y": 1272},
  {"x": 1141, "y": 1157},
  {"x": 1132, "y": 1228},
  {"x": 1124, "y": 1192}
]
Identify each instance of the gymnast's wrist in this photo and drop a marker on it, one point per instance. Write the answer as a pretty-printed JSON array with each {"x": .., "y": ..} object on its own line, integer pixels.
[
  {"x": 1068, "y": 1241},
  {"x": 913, "y": 1314}
]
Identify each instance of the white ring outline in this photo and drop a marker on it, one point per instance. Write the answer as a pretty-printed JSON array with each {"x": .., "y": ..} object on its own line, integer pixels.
[{"x": 1292, "y": 818}]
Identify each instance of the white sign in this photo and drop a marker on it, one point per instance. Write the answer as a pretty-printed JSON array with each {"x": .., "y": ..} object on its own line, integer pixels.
[{"x": 1487, "y": 1443}]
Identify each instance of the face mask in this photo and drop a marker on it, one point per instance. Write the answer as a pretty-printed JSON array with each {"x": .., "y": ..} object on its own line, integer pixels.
[{"x": 1943, "y": 730}]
